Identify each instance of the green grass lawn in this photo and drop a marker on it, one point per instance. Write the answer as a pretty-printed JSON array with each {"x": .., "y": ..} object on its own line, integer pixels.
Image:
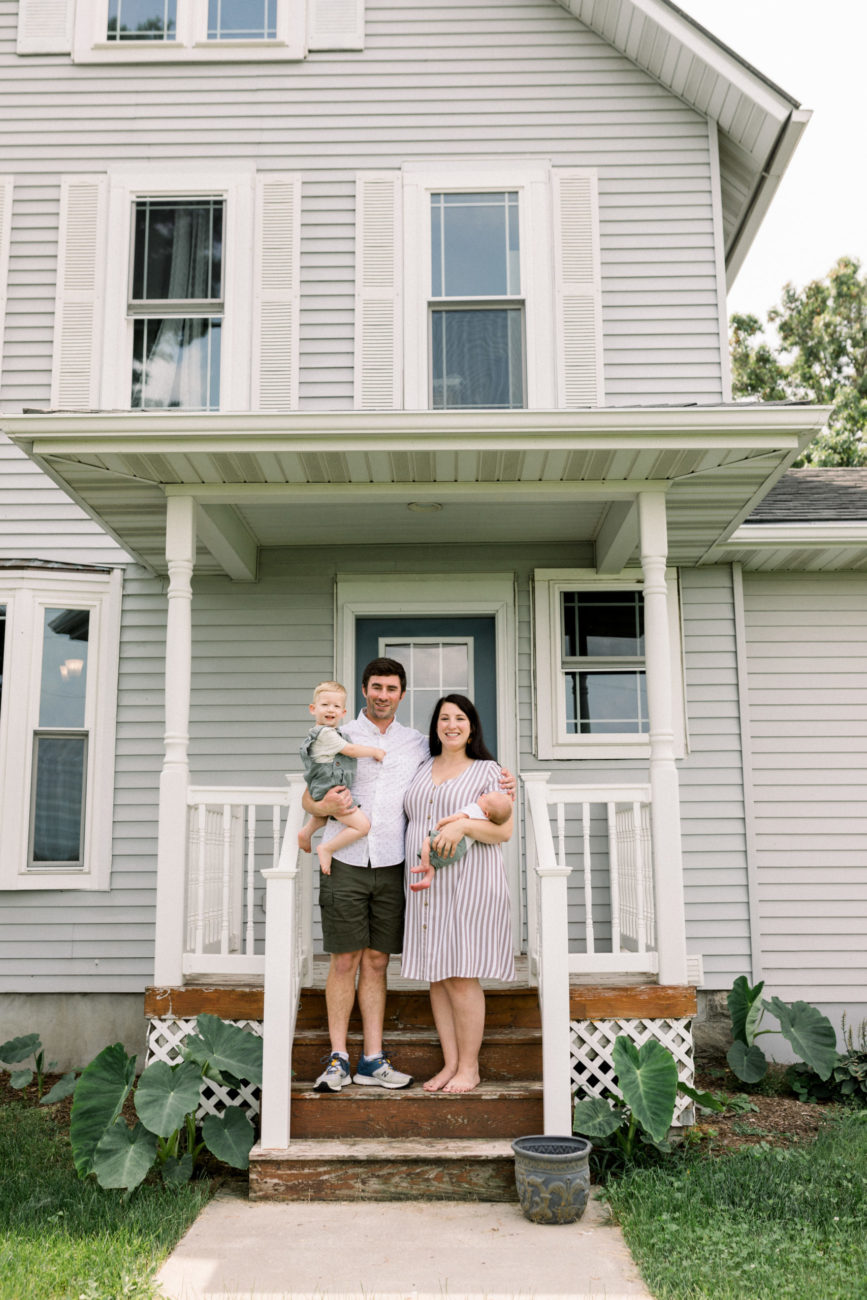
[
  {"x": 61, "y": 1237},
  {"x": 755, "y": 1223}
]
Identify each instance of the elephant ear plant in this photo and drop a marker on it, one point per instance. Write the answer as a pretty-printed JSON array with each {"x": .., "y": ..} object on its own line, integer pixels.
[
  {"x": 166, "y": 1101},
  {"x": 14, "y": 1056},
  {"x": 809, "y": 1032},
  {"x": 641, "y": 1117}
]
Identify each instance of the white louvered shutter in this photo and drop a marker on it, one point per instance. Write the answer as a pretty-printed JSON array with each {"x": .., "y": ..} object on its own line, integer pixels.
[
  {"x": 45, "y": 26},
  {"x": 277, "y": 296},
  {"x": 6, "y": 187},
  {"x": 336, "y": 25},
  {"x": 378, "y": 332},
  {"x": 78, "y": 312},
  {"x": 577, "y": 279}
]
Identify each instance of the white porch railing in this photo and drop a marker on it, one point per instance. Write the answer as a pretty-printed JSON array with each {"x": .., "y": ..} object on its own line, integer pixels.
[
  {"x": 233, "y": 836},
  {"x": 580, "y": 813}
]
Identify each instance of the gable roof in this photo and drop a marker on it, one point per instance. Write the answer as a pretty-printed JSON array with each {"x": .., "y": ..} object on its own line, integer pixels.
[
  {"x": 812, "y": 519},
  {"x": 758, "y": 124},
  {"x": 814, "y": 495}
]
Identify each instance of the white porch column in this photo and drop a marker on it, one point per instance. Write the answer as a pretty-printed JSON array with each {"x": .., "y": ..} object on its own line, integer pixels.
[
  {"x": 664, "y": 786},
  {"x": 175, "y": 776}
]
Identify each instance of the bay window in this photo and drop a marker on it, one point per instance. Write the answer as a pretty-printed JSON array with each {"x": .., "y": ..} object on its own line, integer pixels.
[{"x": 58, "y": 686}]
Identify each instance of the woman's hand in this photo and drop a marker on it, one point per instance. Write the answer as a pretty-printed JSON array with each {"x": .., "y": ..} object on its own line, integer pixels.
[{"x": 508, "y": 783}]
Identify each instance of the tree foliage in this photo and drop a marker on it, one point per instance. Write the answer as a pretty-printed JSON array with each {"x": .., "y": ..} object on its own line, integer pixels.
[{"x": 821, "y": 357}]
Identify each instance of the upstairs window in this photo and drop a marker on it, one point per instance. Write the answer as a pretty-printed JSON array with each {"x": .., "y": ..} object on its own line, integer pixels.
[
  {"x": 476, "y": 309},
  {"x": 176, "y": 302},
  {"x": 142, "y": 20},
  {"x": 242, "y": 20}
]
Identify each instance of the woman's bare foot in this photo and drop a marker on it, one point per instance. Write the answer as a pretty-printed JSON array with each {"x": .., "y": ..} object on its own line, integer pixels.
[
  {"x": 462, "y": 1081},
  {"x": 324, "y": 854},
  {"x": 439, "y": 1081}
]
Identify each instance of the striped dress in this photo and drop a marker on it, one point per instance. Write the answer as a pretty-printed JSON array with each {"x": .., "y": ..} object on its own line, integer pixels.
[{"x": 461, "y": 926}]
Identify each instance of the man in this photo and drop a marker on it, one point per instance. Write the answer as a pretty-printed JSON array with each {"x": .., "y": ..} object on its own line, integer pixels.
[{"x": 362, "y": 901}]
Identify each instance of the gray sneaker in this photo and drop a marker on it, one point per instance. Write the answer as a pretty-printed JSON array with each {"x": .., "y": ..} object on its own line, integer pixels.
[
  {"x": 335, "y": 1075},
  {"x": 381, "y": 1073}
]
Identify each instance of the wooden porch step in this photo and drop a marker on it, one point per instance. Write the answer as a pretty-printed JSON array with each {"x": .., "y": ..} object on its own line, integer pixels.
[
  {"x": 492, "y": 1110},
  {"x": 506, "y": 1053},
  {"x": 411, "y": 1009},
  {"x": 389, "y": 1169}
]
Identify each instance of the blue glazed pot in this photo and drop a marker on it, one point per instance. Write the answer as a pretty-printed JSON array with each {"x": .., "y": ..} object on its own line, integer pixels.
[{"x": 552, "y": 1175}]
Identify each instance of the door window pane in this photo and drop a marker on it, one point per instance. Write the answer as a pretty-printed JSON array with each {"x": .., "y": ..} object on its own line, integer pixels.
[
  {"x": 433, "y": 668},
  {"x": 141, "y": 20},
  {"x": 477, "y": 358},
  {"x": 63, "y": 687},
  {"x": 59, "y": 767},
  {"x": 242, "y": 20}
]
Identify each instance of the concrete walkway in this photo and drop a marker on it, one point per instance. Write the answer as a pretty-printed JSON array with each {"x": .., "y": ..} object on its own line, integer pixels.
[{"x": 406, "y": 1250}]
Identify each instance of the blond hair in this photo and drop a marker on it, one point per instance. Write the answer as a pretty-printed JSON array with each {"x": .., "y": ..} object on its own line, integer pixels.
[{"x": 328, "y": 686}]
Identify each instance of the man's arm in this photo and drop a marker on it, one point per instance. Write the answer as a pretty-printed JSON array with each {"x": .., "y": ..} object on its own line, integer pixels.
[{"x": 338, "y": 800}]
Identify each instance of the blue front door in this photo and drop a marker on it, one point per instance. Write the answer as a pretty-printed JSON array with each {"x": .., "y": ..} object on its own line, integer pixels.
[{"x": 441, "y": 656}]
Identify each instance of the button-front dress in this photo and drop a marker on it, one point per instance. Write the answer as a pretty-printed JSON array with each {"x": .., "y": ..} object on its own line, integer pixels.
[{"x": 461, "y": 926}]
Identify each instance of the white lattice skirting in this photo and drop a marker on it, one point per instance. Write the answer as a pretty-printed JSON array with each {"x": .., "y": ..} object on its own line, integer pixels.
[
  {"x": 164, "y": 1044},
  {"x": 592, "y": 1063}
]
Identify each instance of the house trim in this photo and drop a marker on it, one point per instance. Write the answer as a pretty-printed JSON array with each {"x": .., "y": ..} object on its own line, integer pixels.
[{"x": 745, "y": 725}]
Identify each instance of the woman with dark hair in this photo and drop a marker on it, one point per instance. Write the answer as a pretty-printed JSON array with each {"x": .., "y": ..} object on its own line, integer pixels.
[{"x": 458, "y": 931}]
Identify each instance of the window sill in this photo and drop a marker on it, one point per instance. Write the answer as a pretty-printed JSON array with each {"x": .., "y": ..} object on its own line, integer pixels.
[
  {"x": 592, "y": 747},
  {"x": 54, "y": 880},
  {"x": 200, "y": 52}
]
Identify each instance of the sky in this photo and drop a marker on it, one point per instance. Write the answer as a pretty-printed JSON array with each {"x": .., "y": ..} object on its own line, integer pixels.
[{"x": 816, "y": 53}]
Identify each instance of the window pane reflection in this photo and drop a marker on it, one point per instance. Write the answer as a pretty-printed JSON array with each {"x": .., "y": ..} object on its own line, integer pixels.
[
  {"x": 141, "y": 20},
  {"x": 59, "y": 764},
  {"x": 64, "y": 668},
  {"x": 606, "y": 702},
  {"x": 242, "y": 20},
  {"x": 477, "y": 358},
  {"x": 176, "y": 363}
]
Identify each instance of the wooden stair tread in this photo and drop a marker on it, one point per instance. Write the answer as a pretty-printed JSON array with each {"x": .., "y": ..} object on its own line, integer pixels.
[
  {"x": 422, "y": 1034},
  {"x": 358, "y": 1093},
  {"x": 388, "y": 1149}
]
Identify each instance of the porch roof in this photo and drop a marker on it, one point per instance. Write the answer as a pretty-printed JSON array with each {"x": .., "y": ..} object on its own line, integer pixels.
[{"x": 418, "y": 477}]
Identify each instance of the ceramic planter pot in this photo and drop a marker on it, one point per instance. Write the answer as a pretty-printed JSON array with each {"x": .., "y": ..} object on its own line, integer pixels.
[{"x": 552, "y": 1175}]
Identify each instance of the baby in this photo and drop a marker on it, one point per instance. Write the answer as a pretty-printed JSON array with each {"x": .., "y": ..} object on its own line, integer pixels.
[
  {"x": 494, "y": 806},
  {"x": 329, "y": 759}
]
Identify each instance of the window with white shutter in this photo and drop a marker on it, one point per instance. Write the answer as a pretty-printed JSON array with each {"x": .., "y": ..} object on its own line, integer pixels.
[
  {"x": 276, "y": 307},
  {"x": 501, "y": 287},
  {"x": 45, "y": 26},
  {"x": 79, "y": 298},
  {"x": 378, "y": 273}
]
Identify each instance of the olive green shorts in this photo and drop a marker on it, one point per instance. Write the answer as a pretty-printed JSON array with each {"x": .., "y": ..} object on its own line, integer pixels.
[{"x": 362, "y": 907}]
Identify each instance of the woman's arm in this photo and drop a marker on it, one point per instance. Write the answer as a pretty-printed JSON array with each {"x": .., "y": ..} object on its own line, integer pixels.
[{"x": 447, "y": 835}]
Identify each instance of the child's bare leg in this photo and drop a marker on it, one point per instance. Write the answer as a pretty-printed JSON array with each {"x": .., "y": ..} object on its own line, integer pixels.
[
  {"x": 356, "y": 825},
  {"x": 425, "y": 865},
  {"x": 307, "y": 831}
]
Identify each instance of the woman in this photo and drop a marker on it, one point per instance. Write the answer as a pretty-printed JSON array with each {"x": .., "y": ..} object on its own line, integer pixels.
[{"x": 458, "y": 931}]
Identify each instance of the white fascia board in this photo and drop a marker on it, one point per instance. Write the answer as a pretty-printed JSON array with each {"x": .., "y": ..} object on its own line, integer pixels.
[
  {"x": 750, "y": 428},
  {"x": 702, "y": 45},
  {"x": 766, "y": 188},
  {"x": 822, "y": 533}
]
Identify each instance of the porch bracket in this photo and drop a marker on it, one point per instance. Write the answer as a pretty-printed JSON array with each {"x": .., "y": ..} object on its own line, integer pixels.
[
  {"x": 664, "y": 786},
  {"x": 175, "y": 775},
  {"x": 618, "y": 537},
  {"x": 222, "y": 530}
]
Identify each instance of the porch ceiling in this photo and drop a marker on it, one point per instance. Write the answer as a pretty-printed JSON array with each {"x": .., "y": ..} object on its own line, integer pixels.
[{"x": 310, "y": 478}]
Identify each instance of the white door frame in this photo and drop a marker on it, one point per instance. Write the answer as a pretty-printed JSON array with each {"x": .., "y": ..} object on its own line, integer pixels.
[{"x": 446, "y": 595}]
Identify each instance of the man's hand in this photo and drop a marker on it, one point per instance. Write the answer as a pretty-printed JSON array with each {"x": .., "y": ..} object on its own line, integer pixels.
[
  {"x": 508, "y": 784},
  {"x": 337, "y": 801},
  {"x": 446, "y": 839}
]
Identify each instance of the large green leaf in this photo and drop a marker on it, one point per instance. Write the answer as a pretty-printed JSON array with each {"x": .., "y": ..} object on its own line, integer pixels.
[
  {"x": 99, "y": 1096},
  {"x": 178, "y": 1171},
  {"x": 61, "y": 1089},
  {"x": 229, "y": 1137},
  {"x": 593, "y": 1117},
  {"x": 223, "y": 1047},
  {"x": 647, "y": 1079},
  {"x": 745, "y": 1009},
  {"x": 748, "y": 1063},
  {"x": 124, "y": 1155},
  {"x": 810, "y": 1033},
  {"x": 18, "y": 1049},
  {"x": 166, "y": 1094},
  {"x": 21, "y": 1078},
  {"x": 706, "y": 1100}
]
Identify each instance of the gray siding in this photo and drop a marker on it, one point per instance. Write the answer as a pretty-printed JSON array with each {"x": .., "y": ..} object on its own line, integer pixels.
[
  {"x": 807, "y": 656},
  {"x": 711, "y": 782},
  {"x": 436, "y": 81}
]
